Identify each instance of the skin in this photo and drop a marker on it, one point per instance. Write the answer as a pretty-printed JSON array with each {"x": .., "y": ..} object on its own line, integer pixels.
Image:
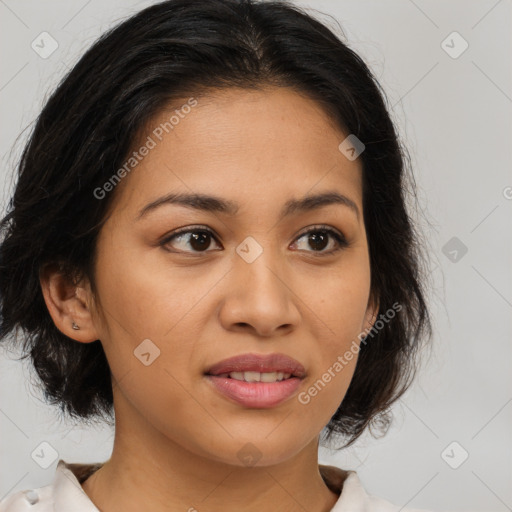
[{"x": 177, "y": 439}]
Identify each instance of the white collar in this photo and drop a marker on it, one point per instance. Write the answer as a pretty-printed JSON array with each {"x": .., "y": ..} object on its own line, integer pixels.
[
  {"x": 67, "y": 490},
  {"x": 66, "y": 493}
]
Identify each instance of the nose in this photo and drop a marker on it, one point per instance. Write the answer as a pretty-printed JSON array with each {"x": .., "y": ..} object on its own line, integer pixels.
[{"x": 260, "y": 298}]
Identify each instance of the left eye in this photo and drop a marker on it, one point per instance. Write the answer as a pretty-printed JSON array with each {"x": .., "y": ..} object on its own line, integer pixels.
[{"x": 317, "y": 238}]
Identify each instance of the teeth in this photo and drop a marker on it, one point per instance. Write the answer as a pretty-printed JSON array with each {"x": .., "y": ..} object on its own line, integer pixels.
[
  {"x": 271, "y": 377},
  {"x": 260, "y": 377},
  {"x": 251, "y": 376}
]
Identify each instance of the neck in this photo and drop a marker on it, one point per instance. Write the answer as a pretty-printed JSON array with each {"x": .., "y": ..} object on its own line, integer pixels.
[{"x": 147, "y": 467}]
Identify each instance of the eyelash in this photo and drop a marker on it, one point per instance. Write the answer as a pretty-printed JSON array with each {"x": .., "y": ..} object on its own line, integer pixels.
[{"x": 340, "y": 239}]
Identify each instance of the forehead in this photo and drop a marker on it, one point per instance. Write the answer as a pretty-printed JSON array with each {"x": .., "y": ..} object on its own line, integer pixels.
[{"x": 267, "y": 145}]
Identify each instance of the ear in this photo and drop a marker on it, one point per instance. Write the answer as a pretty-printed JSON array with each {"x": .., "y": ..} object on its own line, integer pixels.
[{"x": 68, "y": 303}]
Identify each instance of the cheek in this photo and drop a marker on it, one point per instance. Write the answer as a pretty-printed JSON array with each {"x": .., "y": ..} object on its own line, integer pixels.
[
  {"x": 147, "y": 339},
  {"x": 338, "y": 299},
  {"x": 324, "y": 391},
  {"x": 339, "y": 303},
  {"x": 135, "y": 300}
]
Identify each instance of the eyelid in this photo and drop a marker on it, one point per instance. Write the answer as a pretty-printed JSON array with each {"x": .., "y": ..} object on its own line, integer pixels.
[{"x": 320, "y": 227}]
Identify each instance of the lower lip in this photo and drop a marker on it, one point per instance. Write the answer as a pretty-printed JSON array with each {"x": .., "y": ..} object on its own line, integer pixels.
[{"x": 256, "y": 394}]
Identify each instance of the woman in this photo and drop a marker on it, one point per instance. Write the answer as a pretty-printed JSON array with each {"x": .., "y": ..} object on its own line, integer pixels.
[{"x": 208, "y": 241}]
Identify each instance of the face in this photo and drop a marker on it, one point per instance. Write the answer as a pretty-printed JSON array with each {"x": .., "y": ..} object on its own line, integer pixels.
[{"x": 253, "y": 277}]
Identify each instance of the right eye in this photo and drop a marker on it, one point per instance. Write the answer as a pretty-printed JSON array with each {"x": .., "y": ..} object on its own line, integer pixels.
[{"x": 200, "y": 240}]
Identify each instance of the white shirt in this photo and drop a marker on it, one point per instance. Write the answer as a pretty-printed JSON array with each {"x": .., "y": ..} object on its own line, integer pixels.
[{"x": 65, "y": 493}]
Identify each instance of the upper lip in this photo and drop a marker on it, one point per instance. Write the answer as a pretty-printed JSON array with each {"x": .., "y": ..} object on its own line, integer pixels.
[{"x": 258, "y": 363}]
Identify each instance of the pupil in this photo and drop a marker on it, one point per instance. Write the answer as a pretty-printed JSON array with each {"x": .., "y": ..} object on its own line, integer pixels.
[
  {"x": 318, "y": 241},
  {"x": 199, "y": 241}
]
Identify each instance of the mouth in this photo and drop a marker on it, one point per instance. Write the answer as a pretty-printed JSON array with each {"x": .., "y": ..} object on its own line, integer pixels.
[
  {"x": 258, "y": 395},
  {"x": 256, "y": 376},
  {"x": 257, "y": 381},
  {"x": 258, "y": 368}
]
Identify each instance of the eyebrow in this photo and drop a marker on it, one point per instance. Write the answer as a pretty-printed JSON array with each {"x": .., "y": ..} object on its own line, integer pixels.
[{"x": 212, "y": 204}]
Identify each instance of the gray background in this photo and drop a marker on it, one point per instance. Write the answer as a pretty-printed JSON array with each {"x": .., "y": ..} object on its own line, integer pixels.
[{"x": 455, "y": 116}]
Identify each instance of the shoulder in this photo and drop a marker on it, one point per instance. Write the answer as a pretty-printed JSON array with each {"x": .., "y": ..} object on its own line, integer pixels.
[
  {"x": 39, "y": 500},
  {"x": 356, "y": 490},
  {"x": 353, "y": 496},
  {"x": 62, "y": 494}
]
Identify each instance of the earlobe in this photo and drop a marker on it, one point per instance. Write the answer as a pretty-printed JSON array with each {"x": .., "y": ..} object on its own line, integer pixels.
[{"x": 66, "y": 305}]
